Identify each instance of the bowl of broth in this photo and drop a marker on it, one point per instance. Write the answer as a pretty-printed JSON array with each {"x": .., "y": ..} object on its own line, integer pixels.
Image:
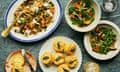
[{"x": 82, "y": 15}]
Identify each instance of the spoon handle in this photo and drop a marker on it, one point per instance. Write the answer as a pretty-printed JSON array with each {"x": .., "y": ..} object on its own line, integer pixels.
[{"x": 7, "y": 30}]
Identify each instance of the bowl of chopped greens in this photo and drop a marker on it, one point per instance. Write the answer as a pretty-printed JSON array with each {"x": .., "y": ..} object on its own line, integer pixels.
[
  {"x": 82, "y": 15},
  {"x": 103, "y": 42},
  {"x": 33, "y": 20}
]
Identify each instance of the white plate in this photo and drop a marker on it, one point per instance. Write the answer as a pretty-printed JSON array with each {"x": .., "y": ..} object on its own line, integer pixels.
[
  {"x": 9, "y": 16},
  {"x": 111, "y": 54},
  {"x": 47, "y": 46}
]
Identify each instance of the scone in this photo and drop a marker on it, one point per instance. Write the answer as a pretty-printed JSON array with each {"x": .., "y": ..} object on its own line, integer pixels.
[
  {"x": 63, "y": 68},
  {"x": 17, "y": 60},
  {"x": 17, "y": 63},
  {"x": 58, "y": 45},
  {"x": 91, "y": 67},
  {"x": 59, "y": 58},
  {"x": 47, "y": 58},
  {"x": 70, "y": 48},
  {"x": 17, "y": 69},
  {"x": 71, "y": 61}
]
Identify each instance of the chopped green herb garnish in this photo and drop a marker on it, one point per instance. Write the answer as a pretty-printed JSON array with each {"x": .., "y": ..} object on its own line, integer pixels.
[{"x": 104, "y": 41}]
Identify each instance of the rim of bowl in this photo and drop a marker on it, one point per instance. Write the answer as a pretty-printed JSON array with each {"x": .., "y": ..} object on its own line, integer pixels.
[
  {"x": 108, "y": 23},
  {"x": 36, "y": 39},
  {"x": 87, "y": 28}
]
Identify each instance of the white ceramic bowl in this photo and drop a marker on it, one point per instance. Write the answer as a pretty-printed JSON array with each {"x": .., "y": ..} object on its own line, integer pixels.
[
  {"x": 41, "y": 35},
  {"x": 110, "y": 54},
  {"x": 47, "y": 47},
  {"x": 86, "y": 28}
]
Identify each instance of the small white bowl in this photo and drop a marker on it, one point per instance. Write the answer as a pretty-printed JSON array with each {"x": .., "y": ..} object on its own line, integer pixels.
[
  {"x": 115, "y": 5},
  {"x": 9, "y": 16},
  {"x": 86, "y": 28},
  {"x": 110, "y": 54}
]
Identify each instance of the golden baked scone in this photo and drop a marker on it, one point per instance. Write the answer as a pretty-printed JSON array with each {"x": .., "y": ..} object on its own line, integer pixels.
[
  {"x": 18, "y": 63},
  {"x": 71, "y": 61},
  {"x": 47, "y": 58},
  {"x": 58, "y": 45},
  {"x": 17, "y": 69},
  {"x": 70, "y": 48},
  {"x": 17, "y": 60},
  {"x": 91, "y": 67},
  {"x": 63, "y": 68},
  {"x": 59, "y": 58}
]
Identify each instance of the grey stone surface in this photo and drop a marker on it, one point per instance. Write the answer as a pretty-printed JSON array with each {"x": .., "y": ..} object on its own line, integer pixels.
[{"x": 8, "y": 45}]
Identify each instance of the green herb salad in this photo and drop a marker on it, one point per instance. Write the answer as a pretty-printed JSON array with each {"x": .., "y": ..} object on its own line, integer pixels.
[
  {"x": 82, "y": 13},
  {"x": 102, "y": 40}
]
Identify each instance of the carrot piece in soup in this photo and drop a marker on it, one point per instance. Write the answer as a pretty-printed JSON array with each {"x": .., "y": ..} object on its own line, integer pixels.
[
  {"x": 52, "y": 9},
  {"x": 34, "y": 30},
  {"x": 31, "y": 25},
  {"x": 90, "y": 14},
  {"x": 26, "y": 27},
  {"x": 16, "y": 24},
  {"x": 77, "y": 5},
  {"x": 87, "y": 22},
  {"x": 96, "y": 49},
  {"x": 40, "y": 4}
]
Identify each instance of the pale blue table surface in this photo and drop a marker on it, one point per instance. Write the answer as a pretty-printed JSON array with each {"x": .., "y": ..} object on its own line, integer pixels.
[{"x": 8, "y": 45}]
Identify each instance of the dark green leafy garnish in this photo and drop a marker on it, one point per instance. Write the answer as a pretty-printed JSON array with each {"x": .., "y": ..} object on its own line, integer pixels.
[
  {"x": 77, "y": 21},
  {"x": 102, "y": 40},
  {"x": 72, "y": 50},
  {"x": 82, "y": 13},
  {"x": 58, "y": 45},
  {"x": 51, "y": 4},
  {"x": 72, "y": 61},
  {"x": 37, "y": 12},
  {"x": 93, "y": 44},
  {"x": 87, "y": 3},
  {"x": 65, "y": 70},
  {"x": 58, "y": 58},
  {"x": 72, "y": 9},
  {"x": 45, "y": 58},
  {"x": 22, "y": 21},
  {"x": 16, "y": 70}
]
